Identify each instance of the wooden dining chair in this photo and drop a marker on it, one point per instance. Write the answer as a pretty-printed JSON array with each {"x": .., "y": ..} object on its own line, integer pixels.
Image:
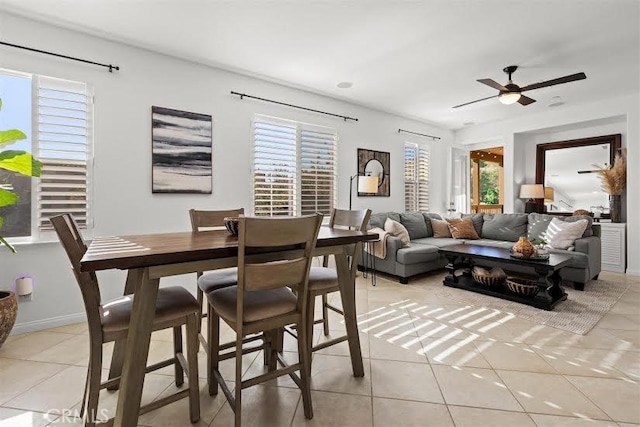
[
  {"x": 324, "y": 280},
  {"x": 202, "y": 220},
  {"x": 263, "y": 301},
  {"x": 109, "y": 321}
]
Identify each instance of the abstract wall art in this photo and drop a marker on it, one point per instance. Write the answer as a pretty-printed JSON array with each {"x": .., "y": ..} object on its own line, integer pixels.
[
  {"x": 181, "y": 151},
  {"x": 375, "y": 163}
]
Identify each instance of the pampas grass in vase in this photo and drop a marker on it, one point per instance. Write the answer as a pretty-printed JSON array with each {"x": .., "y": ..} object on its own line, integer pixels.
[{"x": 614, "y": 181}]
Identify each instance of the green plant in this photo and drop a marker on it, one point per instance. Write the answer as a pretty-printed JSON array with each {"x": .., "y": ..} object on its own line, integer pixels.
[
  {"x": 15, "y": 161},
  {"x": 538, "y": 242}
]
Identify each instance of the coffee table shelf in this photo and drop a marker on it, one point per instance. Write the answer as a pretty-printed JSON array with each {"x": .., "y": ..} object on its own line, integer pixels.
[{"x": 547, "y": 271}]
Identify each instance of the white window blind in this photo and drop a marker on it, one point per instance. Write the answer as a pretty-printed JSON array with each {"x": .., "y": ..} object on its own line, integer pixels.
[
  {"x": 63, "y": 142},
  {"x": 294, "y": 168},
  {"x": 416, "y": 177}
]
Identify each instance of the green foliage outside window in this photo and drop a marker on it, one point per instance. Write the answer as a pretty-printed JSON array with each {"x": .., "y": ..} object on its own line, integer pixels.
[
  {"x": 15, "y": 161},
  {"x": 489, "y": 183}
]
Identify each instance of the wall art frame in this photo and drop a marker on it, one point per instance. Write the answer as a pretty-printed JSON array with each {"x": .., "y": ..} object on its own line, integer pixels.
[
  {"x": 182, "y": 151},
  {"x": 375, "y": 163}
]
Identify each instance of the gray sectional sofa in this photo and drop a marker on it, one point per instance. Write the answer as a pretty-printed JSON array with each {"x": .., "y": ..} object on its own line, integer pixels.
[{"x": 499, "y": 230}]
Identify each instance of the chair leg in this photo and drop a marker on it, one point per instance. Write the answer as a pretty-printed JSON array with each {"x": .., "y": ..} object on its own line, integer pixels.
[
  {"x": 200, "y": 298},
  {"x": 325, "y": 314},
  {"x": 304, "y": 358},
  {"x": 238, "y": 394},
  {"x": 93, "y": 381},
  {"x": 307, "y": 340},
  {"x": 177, "y": 348},
  {"x": 117, "y": 361},
  {"x": 86, "y": 390},
  {"x": 213, "y": 339},
  {"x": 192, "y": 362}
]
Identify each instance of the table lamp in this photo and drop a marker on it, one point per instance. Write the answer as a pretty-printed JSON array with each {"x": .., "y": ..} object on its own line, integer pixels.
[
  {"x": 366, "y": 184},
  {"x": 531, "y": 192}
]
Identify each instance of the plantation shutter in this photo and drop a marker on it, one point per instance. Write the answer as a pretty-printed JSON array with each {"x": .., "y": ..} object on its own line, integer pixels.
[
  {"x": 274, "y": 167},
  {"x": 62, "y": 134},
  {"x": 317, "y": 170},
  {"x": 416, "y": 178}
]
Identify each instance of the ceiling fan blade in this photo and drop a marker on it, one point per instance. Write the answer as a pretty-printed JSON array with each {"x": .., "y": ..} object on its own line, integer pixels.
[
  {"x": 525, "y": 100},
  {"x": 494, "y": 84},
  {"x": 477, "y": 100},
  {"x": 581, "y": 172},
  {"x": 558, "y": 81}
]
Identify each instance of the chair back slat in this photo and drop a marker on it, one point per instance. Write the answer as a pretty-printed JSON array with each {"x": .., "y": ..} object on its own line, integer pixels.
[
  {"x": 354, "y": 220},
  {"x": 75, "y": 247},
  {"x": 272, "y": 275},
  {"x": 208, "y": 220},
  {"x": 290, "y": 269}
]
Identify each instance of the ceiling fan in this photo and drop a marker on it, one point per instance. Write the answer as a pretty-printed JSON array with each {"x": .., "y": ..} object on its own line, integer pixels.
[{"x": 512, "y": 93}]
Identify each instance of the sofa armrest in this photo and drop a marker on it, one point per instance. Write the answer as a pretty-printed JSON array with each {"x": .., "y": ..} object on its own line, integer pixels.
[
  {"x": 592, "y": 247},
  {"x": 393, "y": 245}
]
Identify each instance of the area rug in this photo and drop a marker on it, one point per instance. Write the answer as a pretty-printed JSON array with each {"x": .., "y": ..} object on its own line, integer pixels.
[{"x": 581, "y": 311}]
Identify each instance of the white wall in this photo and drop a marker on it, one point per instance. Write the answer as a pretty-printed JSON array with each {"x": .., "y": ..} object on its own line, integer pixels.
[
  {"x": 123, "y": 202},
  {"x": 602, "y": 117}
]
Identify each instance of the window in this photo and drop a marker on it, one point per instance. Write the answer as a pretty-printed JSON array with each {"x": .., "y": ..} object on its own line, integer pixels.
[
  {"x": 57, "y": 117},
  {"x": 294, "y": 168},
  {"x": 416, "y": 177}
]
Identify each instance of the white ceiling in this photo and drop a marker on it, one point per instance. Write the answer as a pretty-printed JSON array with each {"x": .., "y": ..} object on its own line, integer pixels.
[{"x": 414, "y": 58}]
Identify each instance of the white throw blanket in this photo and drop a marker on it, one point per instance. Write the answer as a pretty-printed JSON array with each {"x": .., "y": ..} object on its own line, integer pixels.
[{"x": 379, "y": 248}]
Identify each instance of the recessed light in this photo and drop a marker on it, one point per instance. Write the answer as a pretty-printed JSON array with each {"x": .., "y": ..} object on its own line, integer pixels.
[
  {"x": 556, "y": 101},
  {"x": 345, "y": 85},
  {"x": 468, "y": 123}
]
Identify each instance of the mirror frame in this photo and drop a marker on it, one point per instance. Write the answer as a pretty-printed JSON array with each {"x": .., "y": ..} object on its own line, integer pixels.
[{"x": 614, "y": 141}]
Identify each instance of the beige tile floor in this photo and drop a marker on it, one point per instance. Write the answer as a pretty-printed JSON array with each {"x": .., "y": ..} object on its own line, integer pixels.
[{"x": 428, "y": 361}]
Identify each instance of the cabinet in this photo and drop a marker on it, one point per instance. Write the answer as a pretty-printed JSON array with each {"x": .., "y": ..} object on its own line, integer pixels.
[{"x": 614, "y": 246}]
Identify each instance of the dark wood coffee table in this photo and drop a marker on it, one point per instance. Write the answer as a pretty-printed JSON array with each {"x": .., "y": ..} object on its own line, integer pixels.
[{"x": 548, "y": 273}]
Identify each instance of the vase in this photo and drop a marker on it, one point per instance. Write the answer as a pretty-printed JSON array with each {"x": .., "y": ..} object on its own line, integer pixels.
[
  {"x": 8, "y": 313},
  {"x": 615, "y": 208},
  {"x": 523, "y": 248}
]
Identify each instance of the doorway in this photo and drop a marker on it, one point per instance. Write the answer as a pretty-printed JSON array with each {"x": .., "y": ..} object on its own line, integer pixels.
[{"x": 487, "y": 180}]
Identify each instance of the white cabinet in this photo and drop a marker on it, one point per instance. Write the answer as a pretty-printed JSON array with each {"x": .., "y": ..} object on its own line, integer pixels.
[{"x": 614, "y": 246}]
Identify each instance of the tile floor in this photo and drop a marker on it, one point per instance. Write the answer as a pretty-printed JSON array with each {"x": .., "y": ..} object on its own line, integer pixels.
[{"x": 428, "y": 361}]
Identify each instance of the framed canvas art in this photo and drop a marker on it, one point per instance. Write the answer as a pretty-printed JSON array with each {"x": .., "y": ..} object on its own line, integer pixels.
[
  {"x": 375, "y": 163},
  {"x": 181, "y": 151}
]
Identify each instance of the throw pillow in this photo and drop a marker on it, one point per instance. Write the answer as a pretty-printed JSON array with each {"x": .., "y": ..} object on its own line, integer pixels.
[
  {"x": 440, "y": 228},
  {"x": 462, "y": 228},
  {"x": 427, "y": 221},
  {"x": 562, "y": 234},
  {"x": 396, "y": 229},
  {"x": 478, "y": 220}
]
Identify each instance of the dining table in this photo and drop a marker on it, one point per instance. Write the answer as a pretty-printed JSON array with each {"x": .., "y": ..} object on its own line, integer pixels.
[{"x": 149, "y": 257}]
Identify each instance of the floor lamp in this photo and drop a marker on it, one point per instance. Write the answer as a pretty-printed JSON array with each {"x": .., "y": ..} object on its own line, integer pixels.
[{"x": 366, "y": 184}]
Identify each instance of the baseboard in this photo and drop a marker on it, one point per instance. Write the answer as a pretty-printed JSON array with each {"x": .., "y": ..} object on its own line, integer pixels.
[
  {"x": 633, "y": 272},
  {"x": 52, "y": 322}
]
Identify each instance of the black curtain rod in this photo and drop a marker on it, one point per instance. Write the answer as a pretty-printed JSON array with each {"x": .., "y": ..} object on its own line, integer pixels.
[
  {"x": 244, "y": 95},
  {"x": 420, "y": 134},
  {"x": 109, "y": 66}
]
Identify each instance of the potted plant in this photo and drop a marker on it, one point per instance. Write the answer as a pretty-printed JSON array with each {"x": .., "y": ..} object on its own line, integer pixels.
[
  {"x": 614, "y": 180},
  {"x": 23, "y": 163}
]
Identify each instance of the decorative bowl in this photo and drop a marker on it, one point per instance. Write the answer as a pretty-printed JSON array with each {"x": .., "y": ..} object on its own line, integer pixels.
[
  {"x": 231, "y": 222},
  {"x": 521, "y": 286},
  {"x": 494, "y": 277}
]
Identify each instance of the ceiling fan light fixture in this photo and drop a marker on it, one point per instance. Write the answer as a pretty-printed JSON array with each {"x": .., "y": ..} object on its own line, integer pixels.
[{"x": 508, "y": 98}]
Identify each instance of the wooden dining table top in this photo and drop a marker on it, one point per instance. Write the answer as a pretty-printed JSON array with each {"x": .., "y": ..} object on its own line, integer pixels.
[{"x": 146, "y": 250}]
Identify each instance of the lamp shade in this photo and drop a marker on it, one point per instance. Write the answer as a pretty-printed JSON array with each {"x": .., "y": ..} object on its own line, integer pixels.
[
  {"x": 368, "y": 184},
  {"x": 549, "y": 195},
  {"x": 532, "y": 191}
]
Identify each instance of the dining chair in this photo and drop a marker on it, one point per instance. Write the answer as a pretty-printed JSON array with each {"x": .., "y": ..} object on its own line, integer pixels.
[
  {"x": 109, "y": 321},
  {"x": 202, "y": 220},
  {"x": 263, "y": 301},
  {"x": 324, "y": 280}
]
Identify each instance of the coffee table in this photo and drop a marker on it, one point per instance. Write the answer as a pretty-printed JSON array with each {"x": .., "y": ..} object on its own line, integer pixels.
[{"x": 548, "y": 273}]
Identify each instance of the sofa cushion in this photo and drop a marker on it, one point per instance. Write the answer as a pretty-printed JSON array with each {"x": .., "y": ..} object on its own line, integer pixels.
[
  {"x": 427, "y": 221},
  {"x": 508, "y": 227},
  {"x": 538, "y": 224},
  {"x": 439, "y": 242},
  {"x": 462, "y": 228},
  {"x": 416, "y": 253},
  {"x": 492, "y": 243},
  {"x": 578, "y": 259},
  {"x": 396, "y": 229},
  {"x": 440, "y": 228},
  {"x": 562, "y": 235},
  {"x": 415, "y": 224},
  {"x": 378, "y": 219},
  {"x": 477, "y": 219}
]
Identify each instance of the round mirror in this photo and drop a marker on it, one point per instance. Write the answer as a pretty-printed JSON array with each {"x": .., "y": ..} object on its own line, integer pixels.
[{"x": 375, "y": 168}]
